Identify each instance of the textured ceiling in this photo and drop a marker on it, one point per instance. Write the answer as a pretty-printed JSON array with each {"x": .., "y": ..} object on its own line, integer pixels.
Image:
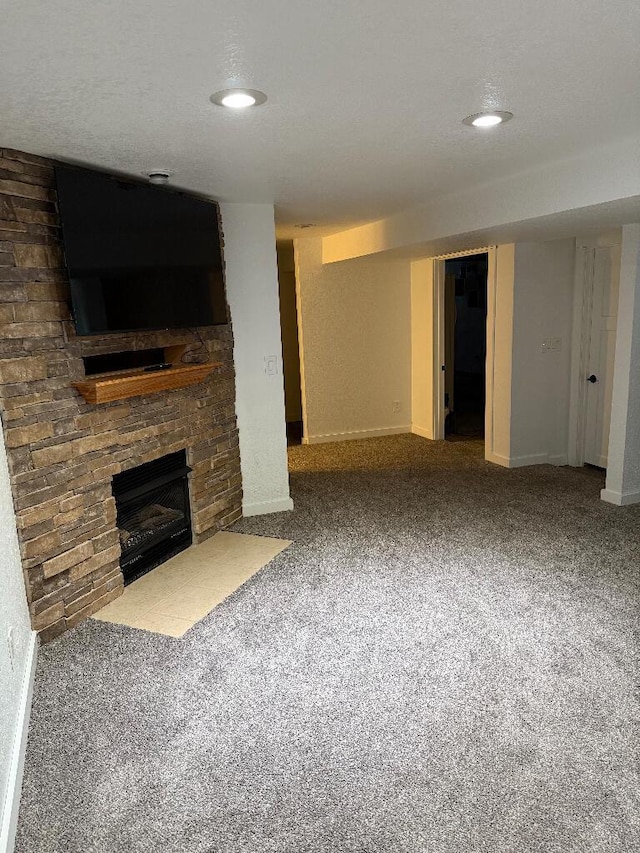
[{"x": 365, "y": 97}]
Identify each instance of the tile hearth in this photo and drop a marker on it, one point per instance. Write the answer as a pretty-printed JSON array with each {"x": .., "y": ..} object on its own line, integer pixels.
[{"x": 174, "y": 596}]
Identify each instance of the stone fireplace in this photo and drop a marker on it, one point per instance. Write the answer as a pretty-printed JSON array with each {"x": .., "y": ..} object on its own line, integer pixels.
[{"x": 64, "y": 452}]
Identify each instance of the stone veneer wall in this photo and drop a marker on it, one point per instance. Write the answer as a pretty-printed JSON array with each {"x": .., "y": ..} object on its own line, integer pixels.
[{"x": 64, "y": 452}]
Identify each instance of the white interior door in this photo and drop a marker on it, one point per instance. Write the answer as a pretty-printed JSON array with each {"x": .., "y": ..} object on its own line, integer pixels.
[{"x": 602, "y": 344}]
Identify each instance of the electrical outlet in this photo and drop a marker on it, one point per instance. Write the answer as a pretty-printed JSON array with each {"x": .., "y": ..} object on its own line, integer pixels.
[
  {"x": 395, "y": 406},
  {"x": 11, "y": 648}
]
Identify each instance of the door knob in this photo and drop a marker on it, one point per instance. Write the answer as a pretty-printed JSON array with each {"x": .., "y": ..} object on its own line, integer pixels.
[{"x": 593, "y": 378}]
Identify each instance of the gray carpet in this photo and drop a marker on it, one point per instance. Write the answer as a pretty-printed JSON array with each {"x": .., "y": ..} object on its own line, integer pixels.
[{"x": 445, "y": 661}]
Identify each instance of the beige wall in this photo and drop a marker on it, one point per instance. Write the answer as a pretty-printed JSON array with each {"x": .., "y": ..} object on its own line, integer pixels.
[{"x": 355, "y": 329}]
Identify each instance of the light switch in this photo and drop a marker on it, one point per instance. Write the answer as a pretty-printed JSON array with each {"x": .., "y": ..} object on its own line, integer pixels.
[
  {"x": 551, "y": 345},
  {"x": 271, "y": 365}
]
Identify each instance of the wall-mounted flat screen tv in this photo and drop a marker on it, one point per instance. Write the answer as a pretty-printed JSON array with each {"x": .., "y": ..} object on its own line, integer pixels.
[{"x": 139, "y": 256}]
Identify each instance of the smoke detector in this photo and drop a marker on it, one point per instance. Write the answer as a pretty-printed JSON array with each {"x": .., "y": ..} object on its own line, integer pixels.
[{"x": 159, "y": 176}]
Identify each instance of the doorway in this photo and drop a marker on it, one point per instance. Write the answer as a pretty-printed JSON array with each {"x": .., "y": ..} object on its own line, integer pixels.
[
  {"x": 465, "y": 346},
  {"x": 290, "y": 342}
]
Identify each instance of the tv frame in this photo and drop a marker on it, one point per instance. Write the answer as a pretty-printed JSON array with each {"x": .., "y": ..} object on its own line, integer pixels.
[{"x": 126, "y": 178}]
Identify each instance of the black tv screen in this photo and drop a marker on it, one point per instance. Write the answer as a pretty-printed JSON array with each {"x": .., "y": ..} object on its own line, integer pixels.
[{"x": 139, "y": 256}]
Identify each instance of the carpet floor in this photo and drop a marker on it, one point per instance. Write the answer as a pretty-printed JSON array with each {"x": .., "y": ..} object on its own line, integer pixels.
[{"x": 444, "y": 661}]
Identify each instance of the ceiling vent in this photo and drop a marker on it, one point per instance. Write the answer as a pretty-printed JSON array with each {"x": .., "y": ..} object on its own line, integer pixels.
[{"x": 159, "y": 176}]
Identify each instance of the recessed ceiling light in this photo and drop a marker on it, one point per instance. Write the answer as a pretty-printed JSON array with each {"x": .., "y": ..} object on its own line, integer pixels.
[
  {"x": 488, "y": 119},
  {"x": 306, "y": 225},
  {"x": 238, "y": 99}
]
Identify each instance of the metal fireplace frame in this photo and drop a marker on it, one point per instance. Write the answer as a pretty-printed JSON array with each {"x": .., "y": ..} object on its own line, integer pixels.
[{"x": 138, "y": 485}]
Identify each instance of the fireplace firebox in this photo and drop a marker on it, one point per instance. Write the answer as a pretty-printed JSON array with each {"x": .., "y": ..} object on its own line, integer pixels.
[{"x": 154, "y": 520}]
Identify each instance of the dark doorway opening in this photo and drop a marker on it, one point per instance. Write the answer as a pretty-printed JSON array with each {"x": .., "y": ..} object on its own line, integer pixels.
[
  {"x": 290, "y": 343},
  {"x": 465, "y": 346}
]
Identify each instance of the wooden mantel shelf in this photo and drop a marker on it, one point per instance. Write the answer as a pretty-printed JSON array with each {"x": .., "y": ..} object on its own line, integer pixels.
[{"x": 106, "y": 387}]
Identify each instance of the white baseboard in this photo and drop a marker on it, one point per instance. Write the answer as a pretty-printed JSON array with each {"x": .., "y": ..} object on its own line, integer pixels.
[
  {"x": 504, "y": 461},
  {"x": 524, "y": 461},
  {"x": 531, "y": 459},
  {"x": 619, "y": 499},
  {"x": 347, "y": 436},
  {"x": 422, "y": 431},
  {"x": 265, "y": 507},
  {"x": 560, "y": 459},
  {"x": 14, "y": 781}
]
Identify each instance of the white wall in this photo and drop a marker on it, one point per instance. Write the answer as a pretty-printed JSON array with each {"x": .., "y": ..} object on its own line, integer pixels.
[
  {"x": 542, "y": 310},
  {"x": 580, "y": 192},
  {"x": 15, "y": 669},
  {"x": 355, "y": 328},
  {"x": 623, "y": 468},
  {"x": 252, "y": 292}
]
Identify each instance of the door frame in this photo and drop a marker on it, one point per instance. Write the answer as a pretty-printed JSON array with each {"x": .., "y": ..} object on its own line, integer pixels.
[
  {"x": 583, "y": 293},
  {"x": 438, "y": 342},
  {"x": 438, "y": 348}
]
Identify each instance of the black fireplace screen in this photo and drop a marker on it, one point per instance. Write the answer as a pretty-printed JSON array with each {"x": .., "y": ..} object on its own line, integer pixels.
[{"x": 153, "y": 519}]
